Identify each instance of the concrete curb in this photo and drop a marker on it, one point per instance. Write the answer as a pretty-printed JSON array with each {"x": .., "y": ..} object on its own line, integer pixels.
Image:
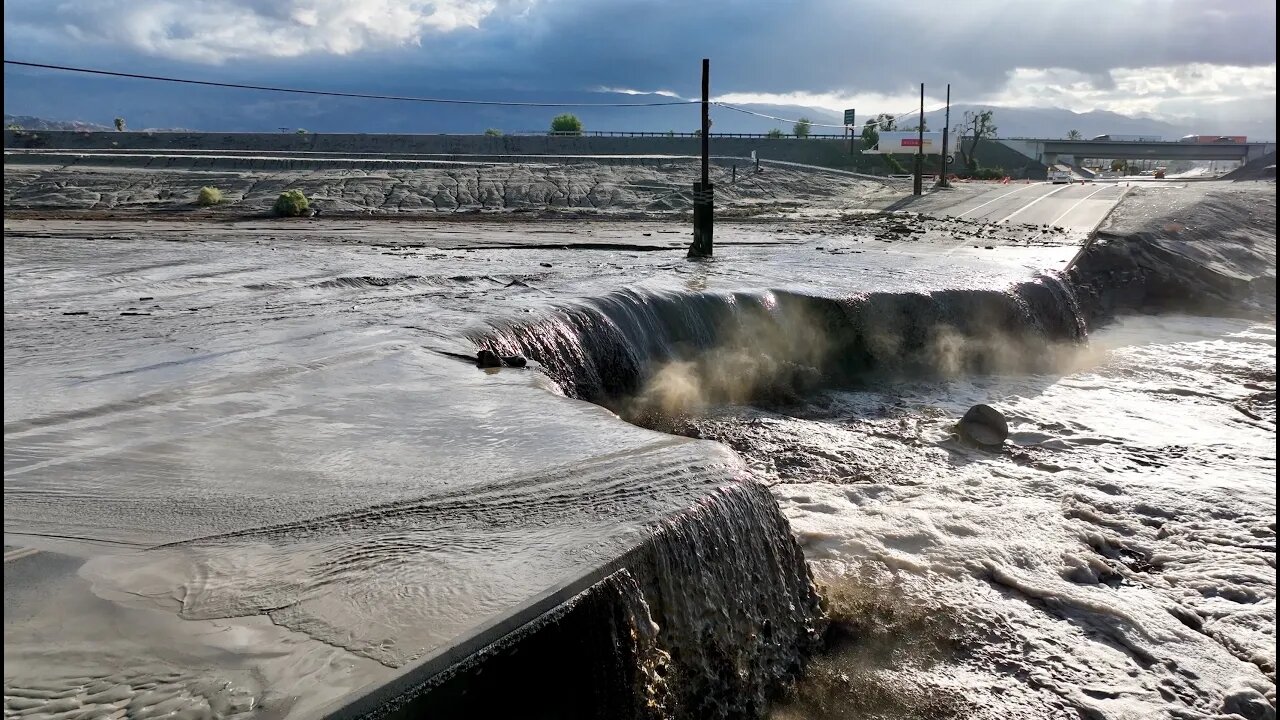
[{"x": 1093, "y": 234}]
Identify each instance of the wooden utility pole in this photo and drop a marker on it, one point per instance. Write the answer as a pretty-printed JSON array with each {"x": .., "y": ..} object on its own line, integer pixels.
[
  {"x": 919, "y": 183},
  {"x": 946, "y": 130},
  {"x": 703, "y": 191},
  {"x": 706, "y": 121}
]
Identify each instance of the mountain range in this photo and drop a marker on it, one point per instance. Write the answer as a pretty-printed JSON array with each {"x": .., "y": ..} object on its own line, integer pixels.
[{"x": 92, "y": 103}]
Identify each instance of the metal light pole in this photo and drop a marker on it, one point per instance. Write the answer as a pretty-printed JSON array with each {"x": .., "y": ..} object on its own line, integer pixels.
[{"x": 919, "y": 183}]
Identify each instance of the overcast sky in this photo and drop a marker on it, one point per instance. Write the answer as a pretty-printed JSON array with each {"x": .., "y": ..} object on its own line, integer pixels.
[{"x": 1165, "y": 58}]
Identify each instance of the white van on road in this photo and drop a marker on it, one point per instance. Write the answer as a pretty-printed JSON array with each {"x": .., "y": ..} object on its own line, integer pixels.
[{"x": 1058, "y": 176}]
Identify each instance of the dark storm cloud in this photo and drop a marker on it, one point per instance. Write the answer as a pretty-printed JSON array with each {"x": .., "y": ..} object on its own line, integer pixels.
[{"x": 778, "y": 47}]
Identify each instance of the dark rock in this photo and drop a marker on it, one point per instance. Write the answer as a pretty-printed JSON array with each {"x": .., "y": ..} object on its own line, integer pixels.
[
  {"x": 545, "y": 264},
  {"x": 514, "y": 361},
  {"x": 984, "y": 425},
  {"x": 488, "y": 359},
  {"x": 1249, "y": 704},
  {"x": 148, "y": 297}
]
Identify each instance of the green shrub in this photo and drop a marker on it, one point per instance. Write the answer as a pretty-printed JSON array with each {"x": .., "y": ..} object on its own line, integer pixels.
[
  {"x": 302, "y": 131},
  {"x": 209, "y": 196},
  {"x": 493, "y": 132},
  {"x": 291, "y": 203},
  {"x": 566, "y": 123},
  {"x": 802, "y": 127},
  {"x": 774, "y": 133},
  {"x": 986, "y": 173}
]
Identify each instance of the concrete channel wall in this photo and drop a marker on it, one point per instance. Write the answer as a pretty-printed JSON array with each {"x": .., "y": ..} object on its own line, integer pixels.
[
  {"x": 814, "y": 151},
  {"x": 366, "y": 149}
]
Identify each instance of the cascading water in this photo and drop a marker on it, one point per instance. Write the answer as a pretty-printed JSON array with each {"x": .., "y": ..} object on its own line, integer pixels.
[
  {"x": 652, "y": 354},
  {"x": 735, "y": 603},
  {"x": 726, "y": 583},
  {"x": 712, "y": 617},
  {"x": 745, "y": 346}
]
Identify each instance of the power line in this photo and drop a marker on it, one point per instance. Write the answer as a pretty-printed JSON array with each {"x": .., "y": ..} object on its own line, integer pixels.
[
  {"x": 814, "y": 124},
  {"x": 363, "y": 96}
]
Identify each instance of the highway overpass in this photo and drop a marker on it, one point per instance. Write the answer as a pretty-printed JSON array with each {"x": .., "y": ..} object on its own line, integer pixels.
[{"x": 1051, "y": 151}]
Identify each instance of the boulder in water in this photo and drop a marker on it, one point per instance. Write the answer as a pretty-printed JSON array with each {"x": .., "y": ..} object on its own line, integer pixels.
[
  {"x": 514, "y": 361},
  {"x": 984, "y": 425},
  {"x": 1248, "y": 703}
]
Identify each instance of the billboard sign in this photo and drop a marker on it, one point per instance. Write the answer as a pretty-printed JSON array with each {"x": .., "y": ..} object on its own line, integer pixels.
[
  {"x": 848, "y": 117},
  {"x": 909, "y": 142}
]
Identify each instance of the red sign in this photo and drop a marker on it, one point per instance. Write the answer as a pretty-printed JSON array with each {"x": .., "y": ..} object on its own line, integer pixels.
[{"x": 910, "y": 142}]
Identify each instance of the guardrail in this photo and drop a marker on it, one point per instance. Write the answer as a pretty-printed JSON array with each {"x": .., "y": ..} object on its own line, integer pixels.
[
  {"x": 517, "y": 133},
  {"x": 673, "y": 134}
]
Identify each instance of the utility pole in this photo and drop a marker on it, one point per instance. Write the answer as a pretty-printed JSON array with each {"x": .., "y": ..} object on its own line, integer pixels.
[
  {"x": 919, "y": 184},
  {"x": 704, "y": 192},
  {"x": 946, "y": 131}
]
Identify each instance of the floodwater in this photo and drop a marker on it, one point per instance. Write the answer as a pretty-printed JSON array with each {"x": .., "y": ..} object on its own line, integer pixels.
[
  {"x": 259, "y": 478},
  {"x": 1116, "y": 559}
]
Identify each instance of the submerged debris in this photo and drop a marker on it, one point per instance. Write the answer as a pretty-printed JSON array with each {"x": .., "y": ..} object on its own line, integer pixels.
[{"x": 487, "y": 358}]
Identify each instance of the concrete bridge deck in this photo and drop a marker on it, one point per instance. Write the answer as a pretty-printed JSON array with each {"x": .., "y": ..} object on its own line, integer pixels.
[{"x": 1047, "y": 150}]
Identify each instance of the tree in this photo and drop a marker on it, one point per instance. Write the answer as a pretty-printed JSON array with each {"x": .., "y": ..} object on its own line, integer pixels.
[
  {"x": 302, "y": 131},
  {"x": 1074, "y": 135},
  {"x": 1119, "y": 166},
  {"x": 886, "y": 122},
  {"x": 119, "y": 124},
  {"x": 567, "y": 124},
  {"x": 775, "y": 134},
  {"x": 870, "y": 135},
  {"x": 977, "y": 125},
  {"x": 493, "y": 132},
  {"x": 801, "y": 128}
]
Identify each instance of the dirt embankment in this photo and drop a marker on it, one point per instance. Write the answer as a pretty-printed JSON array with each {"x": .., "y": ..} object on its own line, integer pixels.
[
  {"x": 1216, "y": 255},
  {"x": 1264, "y": 168},
  {"x": 626, "y": 190}
]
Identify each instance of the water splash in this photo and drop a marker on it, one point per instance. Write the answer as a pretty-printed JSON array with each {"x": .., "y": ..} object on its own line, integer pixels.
[{"x": 647, "y": 353}]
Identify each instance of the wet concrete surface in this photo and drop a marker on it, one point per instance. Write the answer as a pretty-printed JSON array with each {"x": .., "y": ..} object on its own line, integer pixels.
[
  {"x": 1078, "y": 206},
  {"x": 348, "y": 497}
]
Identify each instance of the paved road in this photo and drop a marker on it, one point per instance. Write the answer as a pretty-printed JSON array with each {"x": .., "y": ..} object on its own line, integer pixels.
[{"x": 1078, "y": 207}]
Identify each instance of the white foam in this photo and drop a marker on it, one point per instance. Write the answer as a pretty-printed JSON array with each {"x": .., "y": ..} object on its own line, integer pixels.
[{"x": 1128, "y": 571}]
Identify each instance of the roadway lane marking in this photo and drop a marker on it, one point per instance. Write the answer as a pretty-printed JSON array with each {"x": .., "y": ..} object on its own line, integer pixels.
[
  {"x": 1006, "y": 218},
  {"x": 19, "y": 554},
  {"x": 1077, "y": 204},
  {"x": 979, "y": 207}
]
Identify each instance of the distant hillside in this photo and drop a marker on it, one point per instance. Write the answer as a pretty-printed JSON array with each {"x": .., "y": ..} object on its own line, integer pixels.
[
  {"x": 28, "y": 122},
  {"x": 1013, "y": 122},
  {"x": 226, "y": 110}
]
